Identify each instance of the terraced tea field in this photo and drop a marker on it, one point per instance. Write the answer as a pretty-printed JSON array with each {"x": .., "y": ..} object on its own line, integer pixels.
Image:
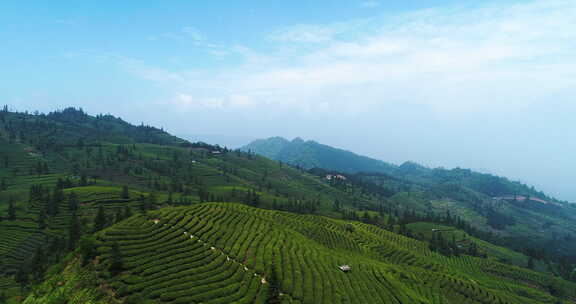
[{"x": 224, "y": 253}]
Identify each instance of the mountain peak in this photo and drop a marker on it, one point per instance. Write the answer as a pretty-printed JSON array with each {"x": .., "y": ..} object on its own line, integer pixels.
[{"x": 298, "y": 140}]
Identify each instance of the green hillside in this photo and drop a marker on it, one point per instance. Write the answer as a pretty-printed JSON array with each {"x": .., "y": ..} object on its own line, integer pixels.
[
  {"x": 310, "y": 154},
  {"x": 51, "y": 194},
  {"x": 504, "y": 211},
  {"x": 96, "y": 210},
  {"x": 232, "y": 253}
]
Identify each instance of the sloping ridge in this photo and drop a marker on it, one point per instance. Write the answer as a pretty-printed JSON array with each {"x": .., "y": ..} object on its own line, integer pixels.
[{"x": 310, "y": 154}]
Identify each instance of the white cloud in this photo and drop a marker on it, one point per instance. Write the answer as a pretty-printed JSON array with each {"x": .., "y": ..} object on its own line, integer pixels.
[
  {"x": 319, "y": 33},
  {"x": 305, "y": 34},
  {"x": 193, "y": 33},
  {"x": 370, "y": 4},
  {"x": 456, "y": 61},
  {"x": 187, "y": 34}
]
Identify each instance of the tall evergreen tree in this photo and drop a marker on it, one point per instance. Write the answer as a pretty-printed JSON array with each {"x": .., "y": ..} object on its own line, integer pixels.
[
  {"x": 73, "y": 202},
  {"x": 87, "y": 249},
  {"x": 42, "y": 220},
  {"x": 127, "y": 212},
  {"x": 22, "y": 277},
  {"x": 125, "y": 192},
  {"x": 119, "y": 216},
  {"x": 74, "y": 232},
  {"x": 100, "y": 219},
  {"x": 11, "y": 209},
  {"x": 38, "y": 265},
  {"x": 116, "y": 263}
]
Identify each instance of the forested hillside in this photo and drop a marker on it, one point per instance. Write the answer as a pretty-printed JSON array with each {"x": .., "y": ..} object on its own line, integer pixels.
[
  {"x": 310, "y": 154},
  {"x": 96, "y": 210},
  {"x": 503, "y": 211}
]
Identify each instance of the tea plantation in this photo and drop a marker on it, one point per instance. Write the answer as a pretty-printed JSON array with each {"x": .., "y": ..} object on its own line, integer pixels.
[{"x": 226, "y": 253}]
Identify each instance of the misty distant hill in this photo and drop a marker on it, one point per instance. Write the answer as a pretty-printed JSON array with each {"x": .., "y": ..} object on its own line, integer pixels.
[{"x": 310, "y": 154}]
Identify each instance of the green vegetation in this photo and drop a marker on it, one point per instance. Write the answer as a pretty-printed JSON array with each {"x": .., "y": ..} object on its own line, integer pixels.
[
  {"x": 499, "y": 210},
  {"x": 310, "y": 154},
  {"x": 230, "y": 253},
  {"x": 95, "y": 210}
]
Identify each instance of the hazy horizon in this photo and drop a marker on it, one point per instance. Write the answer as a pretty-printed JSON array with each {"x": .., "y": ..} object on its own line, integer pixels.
[{"x": 487, "y": 86}]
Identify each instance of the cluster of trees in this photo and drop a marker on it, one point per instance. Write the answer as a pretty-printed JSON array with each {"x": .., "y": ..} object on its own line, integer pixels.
[
  {"x": 440, "y": 244},
  {"x": 498, "y": 220},
  {"x": 11, "y": 209},
  {"x": 33, "y": 270},
  {"x": 303, "y": 206},
  {"x": 251, "y": 198}
]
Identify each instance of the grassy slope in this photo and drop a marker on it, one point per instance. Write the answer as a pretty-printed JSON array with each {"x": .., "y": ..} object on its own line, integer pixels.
[{"x": 223, "y": 253}]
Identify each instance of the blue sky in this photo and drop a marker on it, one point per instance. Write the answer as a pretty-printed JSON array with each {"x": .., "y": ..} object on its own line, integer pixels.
[{"x": 487, "y": 85}]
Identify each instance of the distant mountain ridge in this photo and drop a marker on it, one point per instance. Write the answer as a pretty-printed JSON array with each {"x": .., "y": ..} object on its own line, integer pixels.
[{"x": 310, "y": 154}]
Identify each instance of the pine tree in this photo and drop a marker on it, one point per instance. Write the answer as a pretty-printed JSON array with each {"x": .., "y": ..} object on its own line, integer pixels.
[
  {"x": 152, "y": 200},
  {"x": 22, "y": 278},
  {"x": 87, "y": 249},
  {"x": 119, "y": 216},
  {"x": 100, "y": 219},
  {"x": 38, "y": 265},
  {"x": 125, "y": 192},
  {"x": 116, "y": 263},
  {"x": 127, "y": 212},
  {"x": 433, "y": 245},
  {"x": 42, "y": 220},
  {"x": 366, "y": 217},
  {"x": 11, "y": 210},
  {"x": 72, "y": 202},
  {"x": 74, "y": 232}
]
